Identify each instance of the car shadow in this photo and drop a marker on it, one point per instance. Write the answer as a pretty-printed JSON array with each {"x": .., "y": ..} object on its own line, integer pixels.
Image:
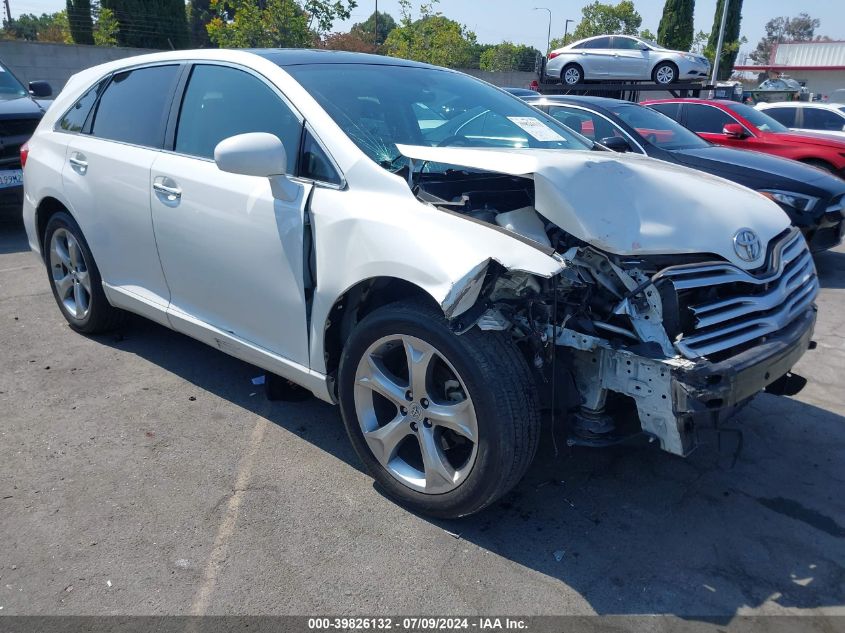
[
  {"x": 12, "y": 237},
  {"x": 830, "y": 266},
  {"x": 752, "y": 517}
]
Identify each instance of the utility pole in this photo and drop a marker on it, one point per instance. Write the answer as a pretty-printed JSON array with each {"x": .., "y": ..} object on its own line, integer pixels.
[
  {"x": 719, "y": 44},
  {"x": 8, "y": 12},
  {"x": 375, "y": 33},
  {"x": 566, "y": 30},
  {"x": 549, "y": 37}
]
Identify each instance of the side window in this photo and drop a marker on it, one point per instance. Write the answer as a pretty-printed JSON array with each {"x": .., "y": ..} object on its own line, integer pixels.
[
  {"x": 590, "y": 124},
  {"x": 782, "y": 115},
  {"x": 819, "y": 119},
  {"x": 672, "y": 110},
  {"x": 74, "y": 119},
  {"x": 314, "y": 164},
  {"x": 703, "y": 118},
  {"x": 599, "y": 42},
  {"x": 134, "y": 106},
  {"x": 221, "y": 102},
  {"x": 626, "y": 43}
]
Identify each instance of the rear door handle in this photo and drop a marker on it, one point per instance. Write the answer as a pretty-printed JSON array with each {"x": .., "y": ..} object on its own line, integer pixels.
[
  {"x": 78, "y": 163},
  {"x": 166, "y": 188}
]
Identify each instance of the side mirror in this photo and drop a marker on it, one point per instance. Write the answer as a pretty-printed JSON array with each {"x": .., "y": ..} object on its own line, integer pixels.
[
  {"x": 645, "y": 48},
  {"x": 257, "y": 154},
  {"x": 734, "y": 130},
  {"x": 616, "y": 143},
  {"x": 40, "y": 89}
]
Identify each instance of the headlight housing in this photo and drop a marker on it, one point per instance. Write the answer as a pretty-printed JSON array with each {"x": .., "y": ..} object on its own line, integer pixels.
[
  {"x": 796, "y": 201},
  {"x": 690, "y": 58}
]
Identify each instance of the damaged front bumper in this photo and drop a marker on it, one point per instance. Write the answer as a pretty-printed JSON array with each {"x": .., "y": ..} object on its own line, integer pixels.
[{"x": 674, "y": 396}]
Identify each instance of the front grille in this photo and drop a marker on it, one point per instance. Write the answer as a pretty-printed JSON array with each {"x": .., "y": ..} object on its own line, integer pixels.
[{"x": 724, "y": 308}]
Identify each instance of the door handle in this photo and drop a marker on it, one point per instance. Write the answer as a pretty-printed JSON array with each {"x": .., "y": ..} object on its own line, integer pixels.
[
  {"x": 78, "y": 163},
  {"x": 171, "y": 193}
]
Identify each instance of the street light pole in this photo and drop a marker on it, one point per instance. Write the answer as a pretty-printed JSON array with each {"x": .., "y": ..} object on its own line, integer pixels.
[
  {"x": 566, "y": 30},
  {"x": 719, "y": 44},
  {"x": 375, "y": 34},
  {"x": 549, "y": 36}
]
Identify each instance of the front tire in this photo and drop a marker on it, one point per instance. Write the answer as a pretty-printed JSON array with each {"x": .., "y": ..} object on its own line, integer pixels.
[
  {"x": 446, "y": 424},
  {"x": 665, "y": 73},
  {"x": 75, "y": 279}
]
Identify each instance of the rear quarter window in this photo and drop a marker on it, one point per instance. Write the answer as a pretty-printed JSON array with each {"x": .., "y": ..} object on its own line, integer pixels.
[
  {"x": 134, "y": 105},
  {"x": 782, "y": 115},
  {"x": 74, "y": 119}
]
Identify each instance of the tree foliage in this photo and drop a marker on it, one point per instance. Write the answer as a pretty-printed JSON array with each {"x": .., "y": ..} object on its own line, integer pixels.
[
  {"x": 431, "y": 38},
  {"x": 106, "y": 28},
  {"x": 272, "y": 23},
  {"x": 80, "y": 22},
  {"x": 199, "y": 14},
  {"x": 731, "y": 43},
  {"x": 348, "y": 42},
  {"x": 150, "y": 23},
  {"x": 47, "y": 27},
  {"x": 676, "y": 26},
  {"x": 801, "y": 28},
  {"x": 646, "y": 34},
  {"x": 366, "y": 30},
  {"x": 601, "y": 19},
  {"x": 508, "y": 57}
]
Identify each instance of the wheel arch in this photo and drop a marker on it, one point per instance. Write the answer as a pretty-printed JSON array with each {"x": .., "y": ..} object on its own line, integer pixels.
[
  {"x": 47, "y": 207},
  {"x": 354, "y": 304}
]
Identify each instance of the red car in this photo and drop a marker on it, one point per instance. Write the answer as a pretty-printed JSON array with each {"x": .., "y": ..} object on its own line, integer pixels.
[{"x": 737, "y": 125}]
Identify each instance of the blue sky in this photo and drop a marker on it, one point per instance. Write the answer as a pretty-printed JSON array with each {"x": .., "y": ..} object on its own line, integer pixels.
[{"x": 497, "y": 20}]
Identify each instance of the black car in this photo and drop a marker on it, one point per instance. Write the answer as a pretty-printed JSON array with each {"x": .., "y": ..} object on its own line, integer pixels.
[
  {"x": 813, "y": 198},
  {"x": 20, "y": 113}
]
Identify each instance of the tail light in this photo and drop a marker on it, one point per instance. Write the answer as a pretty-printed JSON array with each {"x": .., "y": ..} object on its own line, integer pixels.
[
  {"x": 24, "y": 154},
  {"x": 552, "y": 55}
]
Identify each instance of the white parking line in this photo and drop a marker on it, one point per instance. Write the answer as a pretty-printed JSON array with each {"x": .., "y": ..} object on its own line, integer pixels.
[{"x": 230, "y": 518}]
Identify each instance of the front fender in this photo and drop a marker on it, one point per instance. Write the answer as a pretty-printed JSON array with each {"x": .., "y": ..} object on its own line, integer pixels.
[{"x": 364, "y": 234}]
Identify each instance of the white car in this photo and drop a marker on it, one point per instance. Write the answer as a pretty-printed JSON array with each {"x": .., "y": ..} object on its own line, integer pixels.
[
  {"x": 442, "y": 284},
  {"x": 801, "y": 116},
  {"x": 623, "y": 57}
]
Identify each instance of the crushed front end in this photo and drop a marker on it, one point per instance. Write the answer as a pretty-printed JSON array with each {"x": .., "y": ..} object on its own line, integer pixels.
[{"x": 660, "y": 345}]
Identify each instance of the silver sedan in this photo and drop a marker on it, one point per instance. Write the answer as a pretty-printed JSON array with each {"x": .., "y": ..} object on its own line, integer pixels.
[{"x": 623, "y": 57}]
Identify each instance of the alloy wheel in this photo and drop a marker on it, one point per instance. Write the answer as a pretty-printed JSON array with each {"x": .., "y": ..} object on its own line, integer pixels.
[
  {"x": 416, "y": 414},
  {"x": 70, "y": 273},
  {"x": 572, "y": 76},
  {"x": 665, "y": 75}
]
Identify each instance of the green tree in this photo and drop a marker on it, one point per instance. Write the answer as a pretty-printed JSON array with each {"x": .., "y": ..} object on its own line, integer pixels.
[
  {"x": 801, "y": 28},
  {"x": 601, "y": 19},
  {"x": 646, "y": 34},
  {"x": 731, "y": 44},
  {"x": 199, "y": 15},
  {"x": 432, "y": 38},
  {"x": 366, "y": 30},
  {"x": 508, "y": 57},
  {"x": 150, "y": 23},
  {"x": 699, "y": 42},
  {"x": 106, "y": 28},
  {"x": 676, "y": 26},
  {"x": 79, "y": 21},
  {"x": 348, "y": 42},
  {"x": 269, "y": 23}
]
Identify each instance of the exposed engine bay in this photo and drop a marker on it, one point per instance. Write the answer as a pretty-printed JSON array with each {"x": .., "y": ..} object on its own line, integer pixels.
[{"x": 607, "y": 337}]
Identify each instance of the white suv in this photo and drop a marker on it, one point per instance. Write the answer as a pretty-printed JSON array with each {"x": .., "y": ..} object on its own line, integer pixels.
[{"x": 427, "y": 251}]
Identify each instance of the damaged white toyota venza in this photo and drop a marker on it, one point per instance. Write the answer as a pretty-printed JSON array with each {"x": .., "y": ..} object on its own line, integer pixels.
[{"x": 431, "y": 253}]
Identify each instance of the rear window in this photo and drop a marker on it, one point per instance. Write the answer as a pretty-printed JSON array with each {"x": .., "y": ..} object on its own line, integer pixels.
[{"x": 134, "y": 106}]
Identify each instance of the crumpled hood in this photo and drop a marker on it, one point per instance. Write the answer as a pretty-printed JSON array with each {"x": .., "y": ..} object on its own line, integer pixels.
[{"x": 627, "y": 204}]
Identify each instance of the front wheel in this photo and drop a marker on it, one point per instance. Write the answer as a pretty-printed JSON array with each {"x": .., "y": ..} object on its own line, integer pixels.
[
  {"x": 446, "y": 424},
  {"x": 665, "y": 73}
]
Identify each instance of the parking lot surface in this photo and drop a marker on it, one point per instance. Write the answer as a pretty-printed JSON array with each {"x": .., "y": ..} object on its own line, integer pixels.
[{"x": 143, "y": 473}]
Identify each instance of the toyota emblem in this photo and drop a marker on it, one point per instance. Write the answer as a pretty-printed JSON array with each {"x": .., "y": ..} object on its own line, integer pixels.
[{"x": 747, "y": 245}]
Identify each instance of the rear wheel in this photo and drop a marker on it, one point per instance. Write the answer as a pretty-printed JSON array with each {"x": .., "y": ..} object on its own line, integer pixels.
[
  {"x": 446, "y": 424},
  {"x": 665, "y": 73},
  {"x": 75, "y": 278},
  {"x": 571, "y": 74}
]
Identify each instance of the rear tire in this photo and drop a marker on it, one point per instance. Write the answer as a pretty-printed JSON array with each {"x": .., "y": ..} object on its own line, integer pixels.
[
  {"x": 75, "y": 279},
  {"x": 571, "y": 74},
  {"x": 484, "y": 423}
]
